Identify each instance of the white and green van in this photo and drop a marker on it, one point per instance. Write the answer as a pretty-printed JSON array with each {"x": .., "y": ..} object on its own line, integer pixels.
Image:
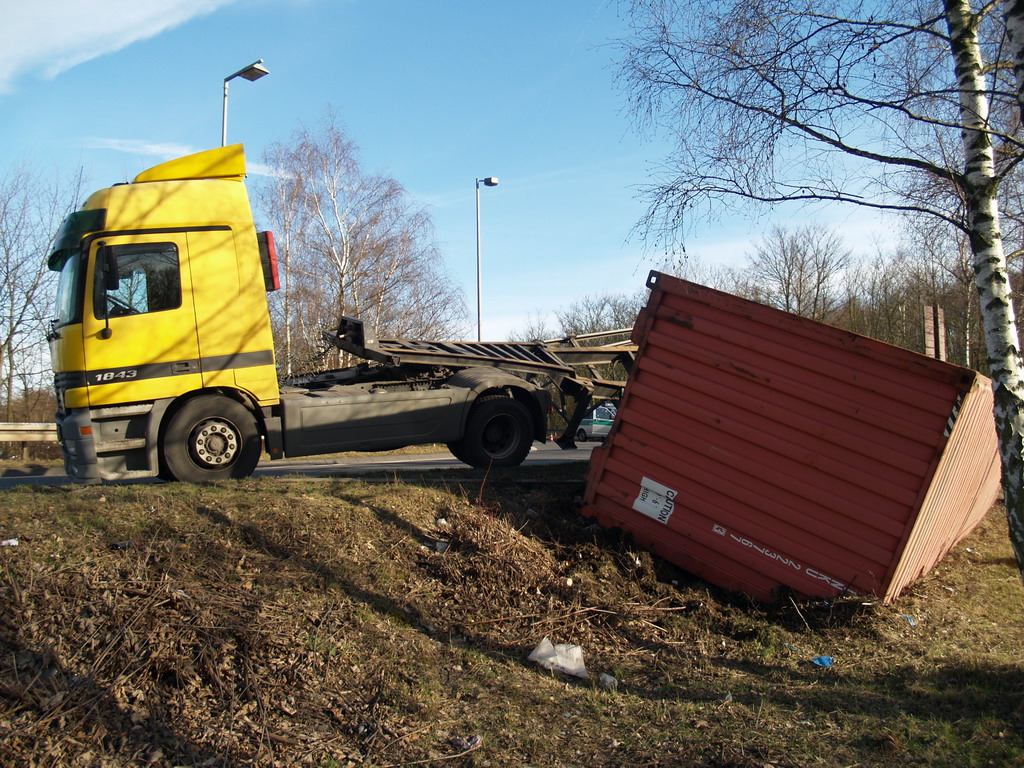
[{"x": 597, "y": 423}]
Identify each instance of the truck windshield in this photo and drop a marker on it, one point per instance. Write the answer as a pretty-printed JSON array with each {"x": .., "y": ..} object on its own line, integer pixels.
[
  {"x": 66, "y": 258},
  {"x": 68, "y": 293}
]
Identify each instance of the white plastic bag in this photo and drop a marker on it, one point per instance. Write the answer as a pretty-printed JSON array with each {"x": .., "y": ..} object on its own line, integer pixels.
[{"x": 562, "y": 658}]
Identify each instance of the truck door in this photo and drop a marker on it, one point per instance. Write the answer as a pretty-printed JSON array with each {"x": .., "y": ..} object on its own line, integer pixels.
[{"x": 139, "y": 326}]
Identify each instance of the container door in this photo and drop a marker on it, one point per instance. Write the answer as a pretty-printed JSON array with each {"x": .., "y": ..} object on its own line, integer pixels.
[{"x": 139, "y": 323}]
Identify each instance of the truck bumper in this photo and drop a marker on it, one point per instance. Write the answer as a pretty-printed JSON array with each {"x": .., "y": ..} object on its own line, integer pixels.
[
  {"x": 112, "y": 442},
  {"x": 74, "y": 429}
]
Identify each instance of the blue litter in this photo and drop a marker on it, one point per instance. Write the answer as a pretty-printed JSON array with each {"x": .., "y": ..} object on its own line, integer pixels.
[
  {"x": 823, "y": 661},
  {"x": 910, "y": 620}
]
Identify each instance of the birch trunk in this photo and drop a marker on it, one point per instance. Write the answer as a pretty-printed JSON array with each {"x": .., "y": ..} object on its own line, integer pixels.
[{"x": 981, "y": 185}]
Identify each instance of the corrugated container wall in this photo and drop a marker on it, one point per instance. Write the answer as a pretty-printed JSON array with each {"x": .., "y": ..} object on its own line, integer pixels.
[{"x": 759, "y": 450}]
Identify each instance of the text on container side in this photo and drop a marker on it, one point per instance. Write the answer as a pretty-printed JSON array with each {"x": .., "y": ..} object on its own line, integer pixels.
[
  {"x": 721, "y": 530},
  {"x": 655, "y": 500}
]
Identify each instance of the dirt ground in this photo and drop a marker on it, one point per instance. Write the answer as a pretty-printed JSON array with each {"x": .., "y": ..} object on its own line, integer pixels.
[{"x": 331, "y": 623}]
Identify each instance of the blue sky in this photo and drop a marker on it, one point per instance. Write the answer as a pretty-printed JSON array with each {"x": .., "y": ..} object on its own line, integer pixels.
[{"x": 435, "y": 94}]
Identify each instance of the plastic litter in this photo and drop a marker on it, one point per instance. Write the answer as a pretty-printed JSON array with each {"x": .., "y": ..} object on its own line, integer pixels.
[
  {"x": 466, "y": 744},
  {"x": 608, "y": 682},
  {"x": 823, "y": 661},
  {"x": 910, "y": 620},
  {"x": 561, "y": 658},
  {"x": 9, "y": 543}
]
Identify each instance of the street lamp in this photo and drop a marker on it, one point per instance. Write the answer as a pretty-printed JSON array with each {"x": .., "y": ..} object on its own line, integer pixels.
[
  {"x": 254, "y": 71},
  {"x": 490, "y": 181}
]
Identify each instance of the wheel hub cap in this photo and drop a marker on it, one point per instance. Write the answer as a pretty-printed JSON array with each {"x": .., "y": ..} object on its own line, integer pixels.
[{"x": 215, "y": 443}]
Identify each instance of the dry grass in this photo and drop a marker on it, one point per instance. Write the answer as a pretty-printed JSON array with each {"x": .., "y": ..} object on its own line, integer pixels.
[{"x": 383, "y": 624}]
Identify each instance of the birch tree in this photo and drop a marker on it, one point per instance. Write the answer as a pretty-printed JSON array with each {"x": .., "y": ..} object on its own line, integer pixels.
[
  {"x": 874, "y": 104},
  {"x": 279, "y": 201},
  {"x": 352, "y": 243},
  {"x": 31, "y": 208}
]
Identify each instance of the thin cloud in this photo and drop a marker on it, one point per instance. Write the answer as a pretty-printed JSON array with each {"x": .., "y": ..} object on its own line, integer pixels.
[
  {"x": 269, "y": 171},
  {"x": 169, "y": 151},
  {"x": 162, "y": 150},
  {"x": 43, "y": 38}
]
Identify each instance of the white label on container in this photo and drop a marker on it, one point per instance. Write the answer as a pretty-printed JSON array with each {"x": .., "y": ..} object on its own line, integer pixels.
[{"x": 655, "y": 500}]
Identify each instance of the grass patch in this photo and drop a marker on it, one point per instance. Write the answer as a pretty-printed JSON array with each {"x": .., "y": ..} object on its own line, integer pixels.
[{"x": 349, "y": 622}]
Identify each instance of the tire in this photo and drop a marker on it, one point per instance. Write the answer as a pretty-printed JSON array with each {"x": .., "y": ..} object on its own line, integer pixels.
[
  {"x": 210, "y": 438},
  {"x": 499, "y": 433},
  {"x": 581, "y": 436}
]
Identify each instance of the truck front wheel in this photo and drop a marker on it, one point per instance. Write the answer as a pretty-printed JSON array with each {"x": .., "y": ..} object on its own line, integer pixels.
[
  {"x": 210, "y": 438},
  {"x": 498, "y": 433}
]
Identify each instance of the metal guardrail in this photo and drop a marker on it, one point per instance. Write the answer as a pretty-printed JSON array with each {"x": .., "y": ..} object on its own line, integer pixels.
[{"x": 28, "y": 432}]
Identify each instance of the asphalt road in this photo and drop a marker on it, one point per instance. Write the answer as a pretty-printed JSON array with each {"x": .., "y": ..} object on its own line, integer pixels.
[{"x": 542, "y": 453}]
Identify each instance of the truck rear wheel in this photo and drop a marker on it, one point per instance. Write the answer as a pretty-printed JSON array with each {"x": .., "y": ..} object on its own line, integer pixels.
[
  {"x": 498, "y": 433},
  {"x": 210, "y": 438}
]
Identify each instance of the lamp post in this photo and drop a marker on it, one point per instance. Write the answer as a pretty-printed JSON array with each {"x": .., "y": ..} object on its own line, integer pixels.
[
  {"x": 490, "y": 181},
  {"x": 254, "y": 71}
]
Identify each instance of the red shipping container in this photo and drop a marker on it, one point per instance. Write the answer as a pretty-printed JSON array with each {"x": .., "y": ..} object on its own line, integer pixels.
[{"x": 759, "y": 449}]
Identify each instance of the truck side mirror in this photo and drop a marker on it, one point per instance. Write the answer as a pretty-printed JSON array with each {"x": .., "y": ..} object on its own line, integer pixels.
[{"x": 108, "y": 263}]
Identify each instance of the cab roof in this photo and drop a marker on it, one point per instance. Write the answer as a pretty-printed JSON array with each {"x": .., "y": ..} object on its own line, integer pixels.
[{"x": 221, "y": 163}]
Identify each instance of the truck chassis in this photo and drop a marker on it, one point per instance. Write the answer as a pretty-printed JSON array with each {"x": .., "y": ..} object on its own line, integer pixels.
[{"x": 486, "y": 401}]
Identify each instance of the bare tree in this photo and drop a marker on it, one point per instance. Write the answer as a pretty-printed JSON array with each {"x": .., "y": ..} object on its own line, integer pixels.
[
  {"x": 536, "y": 329},
  {"x": 588, "y": 314},
  {"x": 799, "y": 270},
  {"x": 943, "y": 274},
  {"x": 352, "y": 243},
  {"x": 879, "y": 301},
  {"x": 851, "y": 102},
  {"x": 692, "y": 267},
  {"x": 604, "y": 312},
  {"x": 31, "y": 208},
  {"x": 280, "y": 201}
]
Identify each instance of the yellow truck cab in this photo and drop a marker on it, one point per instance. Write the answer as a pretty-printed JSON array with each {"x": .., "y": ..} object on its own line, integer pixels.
[
  {"x": 161, "y": 302},
  {"x": 164, "y": 358}
]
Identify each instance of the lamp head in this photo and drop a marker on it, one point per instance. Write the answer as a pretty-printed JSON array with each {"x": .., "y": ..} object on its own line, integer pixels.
[{"x": 254, "y": 71}]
